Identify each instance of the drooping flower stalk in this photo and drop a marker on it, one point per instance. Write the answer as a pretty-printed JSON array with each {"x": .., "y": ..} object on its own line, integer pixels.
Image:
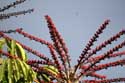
[{"x": 59, "y": 44}]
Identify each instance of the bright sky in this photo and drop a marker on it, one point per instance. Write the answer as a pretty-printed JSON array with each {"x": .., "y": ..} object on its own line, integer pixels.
[{"x": 76, "y": 20}]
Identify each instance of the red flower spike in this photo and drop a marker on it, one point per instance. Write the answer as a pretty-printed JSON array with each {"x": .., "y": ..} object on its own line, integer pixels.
[
  {"x": 28, "y": 48},
  {"x": 107, "y": 65},
  {"x": 103, "y": 66},
  {"x": 105, "y": 80},
  {"x": 90, "y": 43},
  {"x": 92, "y": 59},
  {"x": 42, "y": 41},
  {"x": 58, "y": 43},
  {"x": 30, "y": 62},
  {"x": 111, "y": 51},
  {"x": 58, "y": 37},
  {"x": 97, "y": 75},
  {"x": 104, "y": 44},
  {"x": 54, "y": 56}
]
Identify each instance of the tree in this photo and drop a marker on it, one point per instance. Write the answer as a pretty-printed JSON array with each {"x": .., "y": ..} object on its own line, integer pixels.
[{"x": 58, "y": 69}]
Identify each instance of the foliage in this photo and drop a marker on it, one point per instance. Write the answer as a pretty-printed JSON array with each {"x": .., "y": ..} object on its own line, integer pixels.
[{"x": 14, "y": 68}]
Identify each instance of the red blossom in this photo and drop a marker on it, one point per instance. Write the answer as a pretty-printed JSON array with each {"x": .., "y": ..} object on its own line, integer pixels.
[{"x": 86, "y": 65}]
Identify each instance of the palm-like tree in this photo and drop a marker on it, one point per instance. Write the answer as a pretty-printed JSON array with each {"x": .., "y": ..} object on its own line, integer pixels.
[{"x": 58, "y": 69}]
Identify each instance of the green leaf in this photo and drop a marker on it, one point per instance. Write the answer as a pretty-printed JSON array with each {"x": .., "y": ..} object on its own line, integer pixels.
[
  {"x": 10, "y": 70},
  {"x": 21, "y": 52},
  {"x": 2, "y": 42},
  {"x": 45, "y": 78},
  {"x": 13, "y": 44},
  {"x": 1, "y": 60},
  {"x": 22, "y": 69},
  {"x": 2, "y": 70},
  {"x": 51, "y": 69},
  {"x": 8, "y": 43},
  {"x": 17, "y": 70},
  {"x": 31, "y": 75}
]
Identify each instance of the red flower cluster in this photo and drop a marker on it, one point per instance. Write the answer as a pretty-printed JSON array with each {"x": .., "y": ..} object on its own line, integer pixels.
[{"x": 87, "y": 64}]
